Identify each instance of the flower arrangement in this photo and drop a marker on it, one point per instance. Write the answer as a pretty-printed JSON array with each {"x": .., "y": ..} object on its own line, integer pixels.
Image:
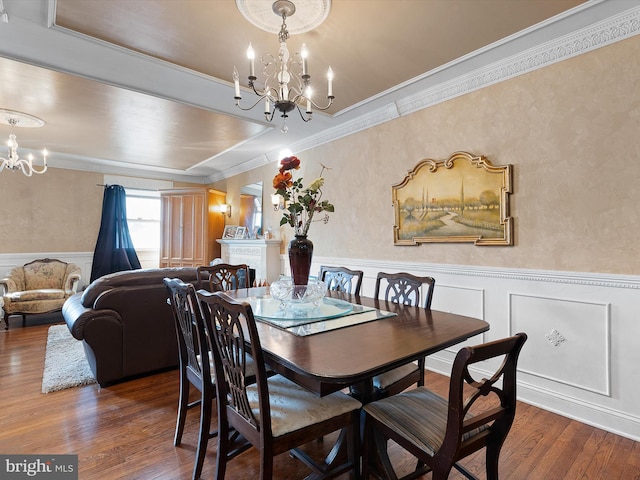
[{"x": 301, "y": 203}]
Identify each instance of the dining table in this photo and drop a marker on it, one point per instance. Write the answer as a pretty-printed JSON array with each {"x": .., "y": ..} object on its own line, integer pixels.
[{"x": 348, "y": 339}]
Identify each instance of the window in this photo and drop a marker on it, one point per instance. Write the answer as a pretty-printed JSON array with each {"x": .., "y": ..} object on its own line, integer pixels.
[{"x": 143, "y": 217}]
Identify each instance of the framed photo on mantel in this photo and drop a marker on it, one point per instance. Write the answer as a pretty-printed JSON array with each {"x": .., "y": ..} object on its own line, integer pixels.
[
  {"x": 461, "y": 199},
  {"x": 230, "y": 232},
  {"x": 241, "y": 232}
]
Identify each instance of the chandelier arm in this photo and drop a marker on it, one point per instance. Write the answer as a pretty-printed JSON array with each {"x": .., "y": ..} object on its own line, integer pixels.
[
  {"x": 33, "y": 170},
  {"x": 253, "y": 87},
  {"x": 23, "y": 164},
  {"x": 298, "y": 94},
  {"x": 268, "y": 92},
  {"x": 308, "y": 119},
  {"x": 318, "y": 107},
  {"x": 262, "y": 98}
]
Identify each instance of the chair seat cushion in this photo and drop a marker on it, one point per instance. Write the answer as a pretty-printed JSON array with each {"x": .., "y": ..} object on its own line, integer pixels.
[
  {"x": 42, "y": 294},
  {"x": 293, "y": 407},
  {"x": 418, "y": 415},
  {"x": 380, "y": 382}
]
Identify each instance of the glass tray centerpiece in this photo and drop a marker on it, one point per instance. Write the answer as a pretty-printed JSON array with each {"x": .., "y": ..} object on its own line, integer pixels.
[
  {"x": 289, "y": 294},
  {"x": 289, "y": 304}
]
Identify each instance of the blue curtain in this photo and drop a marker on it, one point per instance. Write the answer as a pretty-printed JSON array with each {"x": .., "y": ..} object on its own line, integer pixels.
[{"x": 114, "y": 248}]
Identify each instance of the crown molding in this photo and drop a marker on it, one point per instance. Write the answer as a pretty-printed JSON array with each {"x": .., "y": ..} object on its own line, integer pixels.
[
  {"x": 597, "y": 35},
  {"x": 76, "y": 162},
  {"x": 432, "y": 88},
  {"x": 585, "y": 40}
]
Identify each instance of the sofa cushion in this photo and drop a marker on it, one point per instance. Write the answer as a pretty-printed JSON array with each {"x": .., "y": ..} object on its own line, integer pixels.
[
  {"x": 42, "y": 294},
  {"x": 33, "y": 306}
]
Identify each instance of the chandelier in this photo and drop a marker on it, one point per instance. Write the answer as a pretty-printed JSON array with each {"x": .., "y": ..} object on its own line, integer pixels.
[
  {"x": 14, "y": 162},
  {"x": 287, "y": 83}
]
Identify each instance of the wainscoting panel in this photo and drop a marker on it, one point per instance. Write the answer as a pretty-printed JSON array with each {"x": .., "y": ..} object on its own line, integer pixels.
[
  {"x": 568, "y": 340},
  {"x": 582, "y": 356},
  {"x": 462, "y": 301}
]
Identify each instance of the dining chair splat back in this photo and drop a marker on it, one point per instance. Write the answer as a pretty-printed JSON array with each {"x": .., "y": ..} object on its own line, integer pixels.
[
  {"x": 342, "y": 279},
  {"x": 274, "y": 415},
  {"x": 402, "y": 288},
  {"x": 192, "y": 340},
  {"x": 438, "y": 431},
  {"x": 405, "y": 288},
  {"x": 224, "y": 276}
]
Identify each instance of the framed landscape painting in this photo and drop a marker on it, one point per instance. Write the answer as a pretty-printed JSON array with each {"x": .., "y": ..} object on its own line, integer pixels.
[{"x": 461, "y": 199}]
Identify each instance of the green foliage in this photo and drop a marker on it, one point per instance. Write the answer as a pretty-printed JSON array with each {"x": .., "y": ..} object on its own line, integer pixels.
[{"x": 301, "y": 203}]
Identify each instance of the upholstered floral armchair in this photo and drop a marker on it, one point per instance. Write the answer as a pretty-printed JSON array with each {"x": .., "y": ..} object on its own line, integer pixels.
[{"x": 41, "y": 286}]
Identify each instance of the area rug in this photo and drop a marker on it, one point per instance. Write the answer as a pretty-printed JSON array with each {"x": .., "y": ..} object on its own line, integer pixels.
[{"x": 65, "y": 364}]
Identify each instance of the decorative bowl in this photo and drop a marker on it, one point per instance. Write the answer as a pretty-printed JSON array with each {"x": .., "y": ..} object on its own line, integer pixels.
[{"x": 287, "y": 293}]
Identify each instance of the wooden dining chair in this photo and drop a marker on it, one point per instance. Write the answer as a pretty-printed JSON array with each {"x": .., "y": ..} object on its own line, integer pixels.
[
  {"x": 224, "y": 276},
  {"x": 192, "y": 340},
  {"x": 403, "y": 288},
  {"x": 203, "y": 274},
  {"x": 274, "y": 415},
  {"x": 342, "y": 279},
  {"x": 438, "y": 431}
]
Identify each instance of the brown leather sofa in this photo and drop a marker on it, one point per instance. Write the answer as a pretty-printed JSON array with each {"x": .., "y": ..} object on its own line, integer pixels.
[{"x": 125, "y": 323}]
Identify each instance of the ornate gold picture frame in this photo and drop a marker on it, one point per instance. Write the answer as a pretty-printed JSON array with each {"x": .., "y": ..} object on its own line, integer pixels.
[{"x": 461, "y": 199}]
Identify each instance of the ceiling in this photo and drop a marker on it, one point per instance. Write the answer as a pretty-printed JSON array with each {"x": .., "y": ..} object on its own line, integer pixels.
[{"x": 144, "y": 87}]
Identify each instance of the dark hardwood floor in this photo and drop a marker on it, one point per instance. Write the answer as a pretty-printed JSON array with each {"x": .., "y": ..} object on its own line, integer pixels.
[{"x": 126, "y": 431}]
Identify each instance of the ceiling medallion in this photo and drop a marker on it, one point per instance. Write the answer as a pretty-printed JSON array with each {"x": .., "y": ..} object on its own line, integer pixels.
[
  {"x": 19, "y": 119},
  {"x": 309, "y": 14}
]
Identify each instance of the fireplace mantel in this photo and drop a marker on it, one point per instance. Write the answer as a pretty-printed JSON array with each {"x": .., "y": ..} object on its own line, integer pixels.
[{"x": 262, "y": 255}]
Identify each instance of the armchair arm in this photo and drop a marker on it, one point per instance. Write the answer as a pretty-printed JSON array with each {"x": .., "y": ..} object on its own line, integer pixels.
[
  {"x": 71, "y": 283},
  {"x": 7, "y": 285}
]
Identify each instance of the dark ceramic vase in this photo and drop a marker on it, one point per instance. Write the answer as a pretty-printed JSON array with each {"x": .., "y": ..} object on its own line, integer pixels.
[{"x": 300, "y": 253}]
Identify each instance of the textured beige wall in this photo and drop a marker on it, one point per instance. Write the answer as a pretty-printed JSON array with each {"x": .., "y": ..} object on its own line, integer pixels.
[
  {"x": 572, "y": 132},
  {"x": 58, "y": 211}
]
